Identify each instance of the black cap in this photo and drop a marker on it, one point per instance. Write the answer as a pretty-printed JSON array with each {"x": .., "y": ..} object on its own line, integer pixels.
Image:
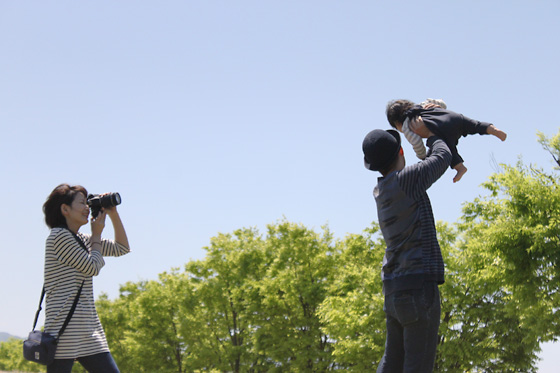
[{"x": 380, "y": 148}]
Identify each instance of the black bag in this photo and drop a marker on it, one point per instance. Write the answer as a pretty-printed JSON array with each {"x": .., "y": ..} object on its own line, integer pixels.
[{"x": 39, "y": 346}]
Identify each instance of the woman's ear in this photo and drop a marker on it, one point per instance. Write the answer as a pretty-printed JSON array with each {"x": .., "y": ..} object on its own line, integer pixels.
[
  {"x": 401, "y": 151},
  {"x": 64, "y": 208}
]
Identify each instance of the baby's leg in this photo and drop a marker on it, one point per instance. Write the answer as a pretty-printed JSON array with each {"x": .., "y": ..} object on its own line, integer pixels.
[
  {"x": 497, "y": 132},
  {"x": 461, "y": 169}
]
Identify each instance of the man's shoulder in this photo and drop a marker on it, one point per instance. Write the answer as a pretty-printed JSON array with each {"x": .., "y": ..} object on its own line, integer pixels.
[{"x": 391, "y": 182}]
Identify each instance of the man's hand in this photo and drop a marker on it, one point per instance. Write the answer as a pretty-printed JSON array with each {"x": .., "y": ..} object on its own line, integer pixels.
[{"x": 418, "y": 127}]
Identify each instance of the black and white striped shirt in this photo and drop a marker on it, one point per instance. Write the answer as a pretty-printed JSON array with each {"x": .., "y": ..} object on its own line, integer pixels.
[{"x": 67, "y": 264}]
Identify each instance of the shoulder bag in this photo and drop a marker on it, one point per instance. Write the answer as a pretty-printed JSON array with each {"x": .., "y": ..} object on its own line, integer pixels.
[{"x": 39, "y": 346}]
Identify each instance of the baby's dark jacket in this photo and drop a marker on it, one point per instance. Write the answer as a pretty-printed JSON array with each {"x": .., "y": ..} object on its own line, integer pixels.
[{"x": 450, "y": 126}]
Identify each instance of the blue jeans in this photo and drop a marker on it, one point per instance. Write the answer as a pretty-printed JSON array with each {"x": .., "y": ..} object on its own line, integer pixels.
[
  {"x": 412, "y": 330},
  {"x": 100, "y": 363}
]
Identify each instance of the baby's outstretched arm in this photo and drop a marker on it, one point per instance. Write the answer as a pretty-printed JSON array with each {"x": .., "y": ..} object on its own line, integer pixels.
[{"x": 492, "y": 130}]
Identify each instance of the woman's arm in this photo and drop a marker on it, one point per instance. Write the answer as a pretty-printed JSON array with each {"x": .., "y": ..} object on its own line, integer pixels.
[
  {"x": 118, "y": 227},
  {"x": 68, "y": 251},
  {"x": 120, "y": 245}
]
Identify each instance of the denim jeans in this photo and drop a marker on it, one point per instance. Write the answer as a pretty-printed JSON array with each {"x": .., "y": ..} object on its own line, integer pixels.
[
  {"x": 100, "y": 363},
  {"x": 413, "y": 318}
]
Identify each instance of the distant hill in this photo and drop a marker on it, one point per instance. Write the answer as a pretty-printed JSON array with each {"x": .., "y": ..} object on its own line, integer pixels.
[{"x": 5, "y": 336}]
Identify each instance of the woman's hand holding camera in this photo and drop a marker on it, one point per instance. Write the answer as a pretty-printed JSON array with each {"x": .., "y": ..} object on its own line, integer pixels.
[
  {"x": 97, "y": 226},
  {"x": 98, "y": 223}
]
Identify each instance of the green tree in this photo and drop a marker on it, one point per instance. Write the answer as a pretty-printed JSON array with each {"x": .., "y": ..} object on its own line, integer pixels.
[
  {"x": 116, "y": 316},
  {"x": 480, "y": 329},
  {"x": 352, "y": 313},
  {"x": 146, "y": 325},
  {"x": 155, "y": 329},
  {"x": 249, "y": 306},
  {"x": 552, "y": 145},
  {"x": 299, "y": 269},
  {"x": 502, "y": 297},
  {"x": 224, "y": 287},
  {"x": 11, "y": 358}
]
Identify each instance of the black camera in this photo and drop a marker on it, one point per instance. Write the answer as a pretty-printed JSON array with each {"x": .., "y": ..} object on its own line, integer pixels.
[{"x": 96, "y": 202}]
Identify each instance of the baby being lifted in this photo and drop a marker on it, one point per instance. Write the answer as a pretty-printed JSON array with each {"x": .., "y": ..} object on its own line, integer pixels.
[{"x": 448, "y": 125}]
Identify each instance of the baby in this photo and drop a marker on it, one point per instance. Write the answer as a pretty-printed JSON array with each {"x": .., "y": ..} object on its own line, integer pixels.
[{"x": 450, "y": 126}]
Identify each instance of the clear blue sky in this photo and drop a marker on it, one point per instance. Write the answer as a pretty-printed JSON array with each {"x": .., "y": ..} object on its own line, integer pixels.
[{"x": 208, "y": 116}]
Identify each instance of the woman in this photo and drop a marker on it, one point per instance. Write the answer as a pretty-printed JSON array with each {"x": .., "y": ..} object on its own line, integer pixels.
[{"x": 68, "y": 263}]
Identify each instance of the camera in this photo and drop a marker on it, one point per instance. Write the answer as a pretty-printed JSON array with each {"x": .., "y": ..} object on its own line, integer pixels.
[{"x": 96, "y": 202}]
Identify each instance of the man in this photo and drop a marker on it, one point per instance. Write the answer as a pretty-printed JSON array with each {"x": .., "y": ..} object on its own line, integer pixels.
[{"x": 412, "y": 266}]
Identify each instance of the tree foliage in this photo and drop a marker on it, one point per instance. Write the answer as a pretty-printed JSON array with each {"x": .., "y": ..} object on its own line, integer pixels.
[
  {"x": 501, "y": 293},
  {"x": 11, "y": 358},
  {"x": 352, "y": 313}
]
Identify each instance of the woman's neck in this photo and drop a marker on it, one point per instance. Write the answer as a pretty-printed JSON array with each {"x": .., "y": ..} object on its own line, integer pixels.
[{"x": 73, "y": 229}]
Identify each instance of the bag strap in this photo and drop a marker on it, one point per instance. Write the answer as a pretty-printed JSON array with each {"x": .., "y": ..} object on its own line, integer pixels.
[
  {"x": 75, "y": 299},
  {"x": 69, "y": 313},
  {"x": 39, "y": 310}
]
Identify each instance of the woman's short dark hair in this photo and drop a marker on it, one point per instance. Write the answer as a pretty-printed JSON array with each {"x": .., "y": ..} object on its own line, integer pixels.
[
  {"x": 395, "y": 111},
  {"x": 63, "y": 194}
]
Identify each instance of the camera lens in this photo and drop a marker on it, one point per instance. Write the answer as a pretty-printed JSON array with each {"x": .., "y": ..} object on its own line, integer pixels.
[
  {"x": 110, "y": 200},
  {"x": 116, "y": 199}
]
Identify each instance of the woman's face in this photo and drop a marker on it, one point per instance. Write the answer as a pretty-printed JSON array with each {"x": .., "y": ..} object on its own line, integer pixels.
[{"x": 77, "y": 213}]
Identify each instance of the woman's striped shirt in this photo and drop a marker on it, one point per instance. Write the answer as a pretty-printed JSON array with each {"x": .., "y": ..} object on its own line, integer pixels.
[{"x": 67, "y": 264}]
